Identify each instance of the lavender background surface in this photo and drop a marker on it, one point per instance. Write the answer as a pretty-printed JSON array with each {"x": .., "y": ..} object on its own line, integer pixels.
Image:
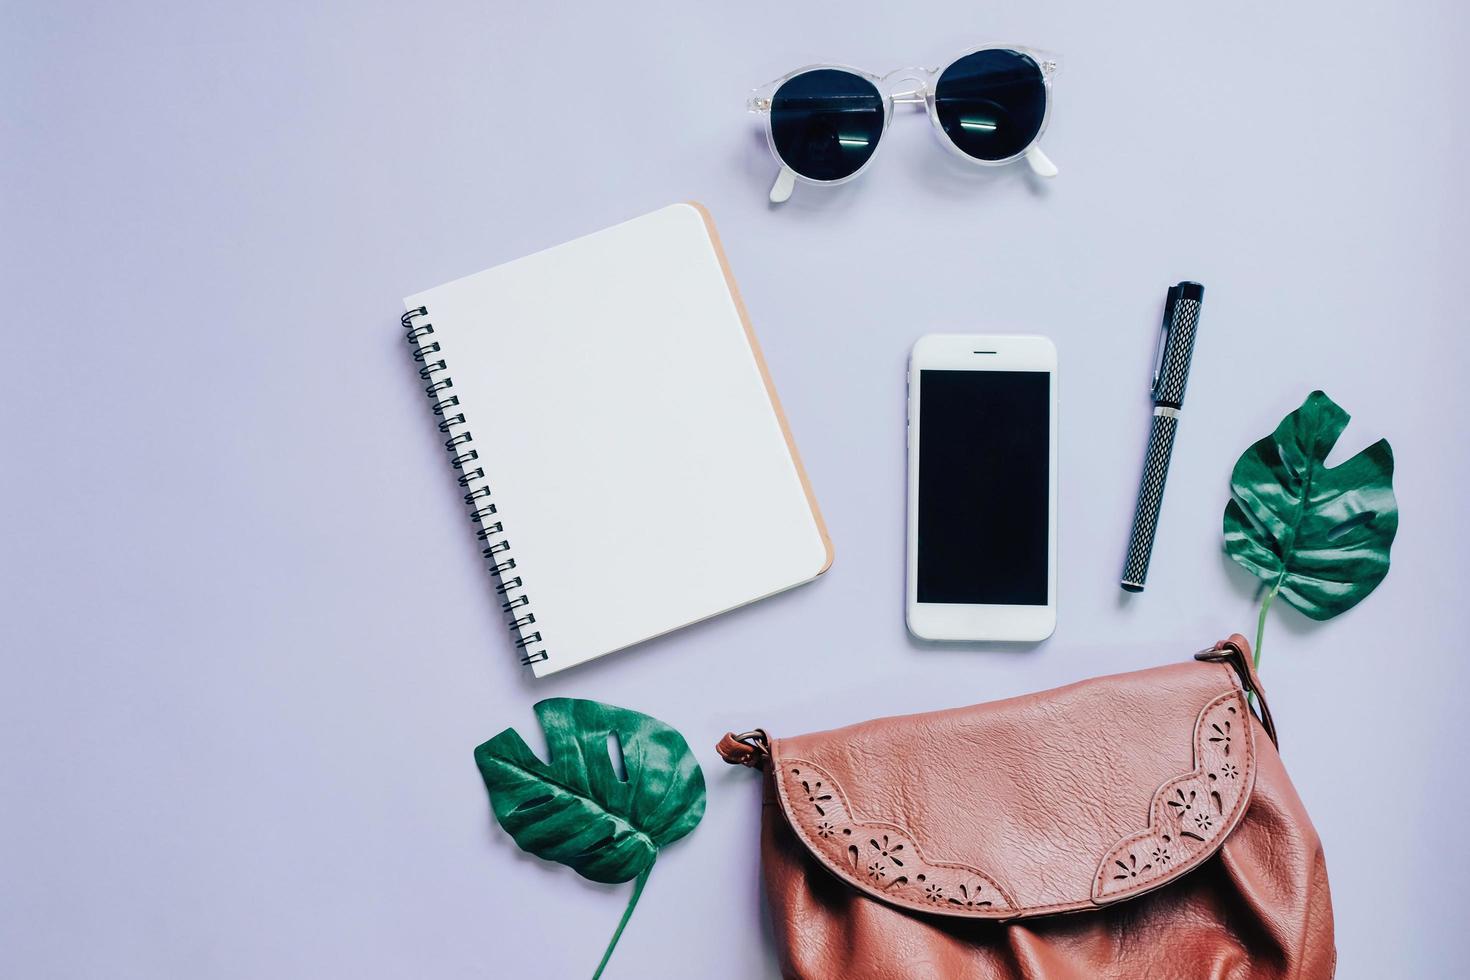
[{"x": 247, "y": 644}]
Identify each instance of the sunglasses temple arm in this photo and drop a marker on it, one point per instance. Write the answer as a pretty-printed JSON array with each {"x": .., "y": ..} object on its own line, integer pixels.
[
  {"x": 781, "y": 189},
  {"x": 1041, "y": 164}
]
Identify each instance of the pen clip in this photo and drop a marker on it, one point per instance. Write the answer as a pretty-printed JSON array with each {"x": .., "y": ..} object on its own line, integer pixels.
[{"x": 1170, "y": 301}]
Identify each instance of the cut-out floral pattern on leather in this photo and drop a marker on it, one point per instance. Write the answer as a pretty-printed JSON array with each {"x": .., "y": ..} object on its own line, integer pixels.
[
  {"x": 1192, "y": 814},
  {"x": 879, "y": 857}
]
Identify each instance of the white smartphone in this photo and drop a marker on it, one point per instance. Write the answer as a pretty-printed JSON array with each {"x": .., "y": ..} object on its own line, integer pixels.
[{"x": 982, "y": 500}]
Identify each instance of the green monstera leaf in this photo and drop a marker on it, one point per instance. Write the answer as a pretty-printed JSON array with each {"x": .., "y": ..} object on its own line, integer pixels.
[
  {"x": 578, "y": 810},
  {"x": 1318, "y": 537}
]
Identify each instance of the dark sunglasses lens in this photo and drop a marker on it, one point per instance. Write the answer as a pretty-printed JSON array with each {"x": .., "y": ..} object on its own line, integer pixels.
[
  {"x": 826, "y": 123},
  {"x": 991, "y": 103}
]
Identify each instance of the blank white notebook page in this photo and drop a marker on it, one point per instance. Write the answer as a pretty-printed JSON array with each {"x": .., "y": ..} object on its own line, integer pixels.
[{"x": 637, "y": 459}]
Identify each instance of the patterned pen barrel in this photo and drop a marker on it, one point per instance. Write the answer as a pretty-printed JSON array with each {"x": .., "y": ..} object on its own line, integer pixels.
[{"x": 1171, "y": 375}]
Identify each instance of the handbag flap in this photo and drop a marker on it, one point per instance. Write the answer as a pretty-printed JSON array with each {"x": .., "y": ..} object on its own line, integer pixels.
[{"x": 1054, "y": 802}]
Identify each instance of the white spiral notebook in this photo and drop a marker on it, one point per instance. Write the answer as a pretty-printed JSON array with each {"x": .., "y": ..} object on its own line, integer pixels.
[{"x": 616, "y": 436}]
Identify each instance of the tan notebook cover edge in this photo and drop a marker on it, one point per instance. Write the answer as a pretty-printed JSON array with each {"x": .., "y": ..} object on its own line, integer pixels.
[{"x": 760, "y": 363}]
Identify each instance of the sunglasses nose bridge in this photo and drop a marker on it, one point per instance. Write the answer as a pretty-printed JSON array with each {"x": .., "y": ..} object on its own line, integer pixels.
[{"x": 908, "y": 86}]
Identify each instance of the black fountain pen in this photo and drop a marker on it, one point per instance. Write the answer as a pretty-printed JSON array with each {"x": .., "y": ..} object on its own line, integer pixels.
[{"x": 1171, "y": 374}]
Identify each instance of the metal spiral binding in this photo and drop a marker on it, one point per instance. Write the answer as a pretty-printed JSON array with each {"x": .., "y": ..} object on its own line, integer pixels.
[{"x": 459, "y": 445}]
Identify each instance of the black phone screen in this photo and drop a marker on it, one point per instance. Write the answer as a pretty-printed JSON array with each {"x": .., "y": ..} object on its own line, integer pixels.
[{"x": 984, "y": 471}]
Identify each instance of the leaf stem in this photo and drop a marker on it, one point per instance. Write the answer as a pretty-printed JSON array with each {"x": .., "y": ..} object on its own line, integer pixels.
[
  {"x": 1261, "y": 621},
  {"x": 1261, "y": 629},
  {"x": 638, "y": 884}
]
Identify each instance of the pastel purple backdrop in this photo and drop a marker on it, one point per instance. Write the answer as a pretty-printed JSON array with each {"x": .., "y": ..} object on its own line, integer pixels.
[{"x": 248, "y": 644}]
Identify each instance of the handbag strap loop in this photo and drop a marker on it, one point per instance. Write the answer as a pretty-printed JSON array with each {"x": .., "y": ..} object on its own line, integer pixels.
[
  {"x": 750, "y": 749},
  {"x": 1236, "y": 651}
]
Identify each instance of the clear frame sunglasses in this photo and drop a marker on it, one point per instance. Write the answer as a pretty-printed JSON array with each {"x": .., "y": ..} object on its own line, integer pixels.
[{"x": 990, "y": 106}]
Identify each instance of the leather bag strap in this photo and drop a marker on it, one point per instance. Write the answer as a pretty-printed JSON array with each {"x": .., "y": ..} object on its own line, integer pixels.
[
  {"x": 1236, "y": 651},
  {"x": 750, "y": 749}
]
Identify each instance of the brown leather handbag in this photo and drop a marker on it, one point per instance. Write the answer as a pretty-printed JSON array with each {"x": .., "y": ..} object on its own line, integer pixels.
[{"x": 1133, "y": 827}]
